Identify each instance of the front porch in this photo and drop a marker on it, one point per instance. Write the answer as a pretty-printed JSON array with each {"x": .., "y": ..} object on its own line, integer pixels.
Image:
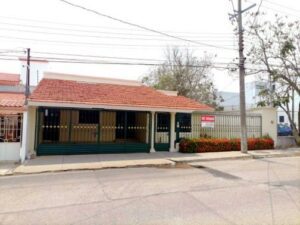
[{"x": 68, "y": 131}]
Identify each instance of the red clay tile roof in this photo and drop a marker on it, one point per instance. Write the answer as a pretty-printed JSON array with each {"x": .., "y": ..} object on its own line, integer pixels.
[
  {"x": 9, "y": 79},
  {"x": 11, "y": 101},
  {"x": 67, "y": 91}
]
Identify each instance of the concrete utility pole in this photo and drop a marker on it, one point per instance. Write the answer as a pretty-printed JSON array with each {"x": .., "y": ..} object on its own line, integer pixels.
[
  {"x": 293, "y": 104},
  {"x": 27, "y": 85},
  {"x": 244, "y": 146}
]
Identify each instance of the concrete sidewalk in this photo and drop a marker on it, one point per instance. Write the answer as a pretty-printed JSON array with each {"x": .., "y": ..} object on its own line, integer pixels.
[{"x": 104, "y": 161}]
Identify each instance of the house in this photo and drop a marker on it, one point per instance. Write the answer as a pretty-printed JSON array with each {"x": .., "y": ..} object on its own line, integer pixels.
[
  {"x": 11, "y": 111},
  {"x": 70, "y": 114}
]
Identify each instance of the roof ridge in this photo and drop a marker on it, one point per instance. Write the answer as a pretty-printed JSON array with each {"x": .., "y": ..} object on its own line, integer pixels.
[{"x": 90, "y": 78}]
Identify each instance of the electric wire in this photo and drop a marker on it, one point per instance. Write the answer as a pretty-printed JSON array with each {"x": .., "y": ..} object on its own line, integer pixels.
[
  {"x": 111, "y": 28},
  {"x": 91, "y": 43},
  {"x": 140, "y": 26},
  {"x": 101, "y": 37}
]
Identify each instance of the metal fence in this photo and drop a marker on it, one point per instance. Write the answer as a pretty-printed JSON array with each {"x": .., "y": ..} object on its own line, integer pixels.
[
  {"x": 92, "y": 126},
  {"x": 226, "y": 125}
]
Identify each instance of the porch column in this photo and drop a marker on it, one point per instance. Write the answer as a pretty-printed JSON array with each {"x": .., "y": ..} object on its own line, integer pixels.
[
  {"x": 152, "y": 149},
  {"x": 23, "y": 149},
  {"x": 172, "y": 132}
]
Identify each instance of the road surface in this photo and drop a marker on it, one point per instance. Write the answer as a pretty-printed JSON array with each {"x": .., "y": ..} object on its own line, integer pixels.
[{"x": 261, "y": 191}]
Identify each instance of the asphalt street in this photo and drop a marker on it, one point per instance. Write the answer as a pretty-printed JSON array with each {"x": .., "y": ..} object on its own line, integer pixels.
[{"x": 260, "y": 191}]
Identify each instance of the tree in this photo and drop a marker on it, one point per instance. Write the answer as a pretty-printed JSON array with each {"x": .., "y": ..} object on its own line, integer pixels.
[
  {"x": 275, "y": 50},
  {"x": 186, "y": 74}
]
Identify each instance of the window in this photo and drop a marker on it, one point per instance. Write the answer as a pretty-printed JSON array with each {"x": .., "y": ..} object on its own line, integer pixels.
[
  {"x": 10, "y": 128},
  {"x": 88, "y": 117},
  {"x": 163, "y": 122},
  {"x": 184, "y": 122},
  {"x": 281, "y": 119}
]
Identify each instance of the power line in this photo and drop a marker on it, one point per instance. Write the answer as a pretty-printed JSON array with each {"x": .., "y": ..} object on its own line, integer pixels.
[
  {"x": 118, "y": 58},
  {"x": 139, "y": 26},
  {"x": 95, "y": 56},
  {"x": 111, "y": 28},
  {"x": 81, "y": 61},
  {"x": 255, "y": 17},
  {"x": 90, "y": 43},
  {"x": 97, "y": 31},
  {"x": 278, "y": 11},
  {"x": 96, "y": 36},
  {"x": 282, "y": 6},
  {"x": 4, "y": 51},
  {"x": 46, "y": 53}
]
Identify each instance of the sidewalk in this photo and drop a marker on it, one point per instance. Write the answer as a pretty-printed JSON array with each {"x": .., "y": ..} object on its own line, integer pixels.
[{"x": 104, "y": 161}]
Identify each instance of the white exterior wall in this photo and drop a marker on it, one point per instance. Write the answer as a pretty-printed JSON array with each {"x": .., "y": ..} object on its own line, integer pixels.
[
  {"x": 36, "y": 72},
  {"x": 269, "y": 121},
  {"x": 10, "y": 151},
  {"x": 28, "y": 137},
  {"x": 31, "y": 130}
]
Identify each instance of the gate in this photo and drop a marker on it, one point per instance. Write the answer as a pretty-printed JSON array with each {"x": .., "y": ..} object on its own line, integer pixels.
[
  {"x": 162, "y": 132},
  {"x": 84, "y": 131}
]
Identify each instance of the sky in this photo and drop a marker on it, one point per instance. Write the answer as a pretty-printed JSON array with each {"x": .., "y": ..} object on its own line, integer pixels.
[{"x": 49, "y": 27}]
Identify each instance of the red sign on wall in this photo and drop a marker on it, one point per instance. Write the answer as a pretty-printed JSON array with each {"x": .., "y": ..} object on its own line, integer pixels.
[{"x": 208, "y": 121}]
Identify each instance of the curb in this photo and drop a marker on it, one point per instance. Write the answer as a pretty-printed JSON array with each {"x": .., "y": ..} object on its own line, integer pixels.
[
  {"x": 210, "y": 159},
  {"x": 249, "y": 156},
  {"x": 98, "y": 166},
  {"x": 167, "y": 162}
]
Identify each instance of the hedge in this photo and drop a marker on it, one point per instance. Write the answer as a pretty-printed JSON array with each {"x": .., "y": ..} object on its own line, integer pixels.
[{"x": 219, "y": 145}]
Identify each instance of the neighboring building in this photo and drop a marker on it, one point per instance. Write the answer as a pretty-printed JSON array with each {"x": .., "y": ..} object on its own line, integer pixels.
[
  {"x": 11, "y": 111},
  {"x": 252, "y": 90},
  {"x": 231, "y": 100},
  {"x": 282, "y": 116},
  {"x": 69, "y": 114},
  {"x": 37, "y": 68}
]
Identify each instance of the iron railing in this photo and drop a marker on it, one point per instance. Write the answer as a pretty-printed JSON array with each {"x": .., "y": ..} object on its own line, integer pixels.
[
  {"x": 226, "y": 125},
  {"x": 10, "y": 128}
]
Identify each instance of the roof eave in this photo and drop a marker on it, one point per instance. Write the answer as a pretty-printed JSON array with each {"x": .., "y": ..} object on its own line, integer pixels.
[{"x": 112, "y": 107}]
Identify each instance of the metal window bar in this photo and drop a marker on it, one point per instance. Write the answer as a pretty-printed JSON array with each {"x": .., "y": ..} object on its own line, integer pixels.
[
  {"x": 226, "y": 126},
  {"x": 10, "y": 128}
]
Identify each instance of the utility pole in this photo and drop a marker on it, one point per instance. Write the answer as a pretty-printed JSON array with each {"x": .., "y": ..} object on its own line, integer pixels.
[
  {"x": 293, "y": 105},
  {"x": 244, "y": 147},
  {"x": 27, "y": 85},
  {"x": 237, "y": 14}
]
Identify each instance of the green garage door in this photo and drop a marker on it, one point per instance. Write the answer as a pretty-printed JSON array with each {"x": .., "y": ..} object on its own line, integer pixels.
[{"x": 69, "y": 131}]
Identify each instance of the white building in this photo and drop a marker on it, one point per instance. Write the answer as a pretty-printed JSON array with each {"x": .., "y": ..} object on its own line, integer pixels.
[{"x": 252, "y": 90}]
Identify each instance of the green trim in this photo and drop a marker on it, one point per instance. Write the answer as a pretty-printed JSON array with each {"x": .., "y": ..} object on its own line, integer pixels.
[
  {"x": 37, "y": 128},
  {"x": 72, "y": 149},
  {"x": 162, "y": 147}
]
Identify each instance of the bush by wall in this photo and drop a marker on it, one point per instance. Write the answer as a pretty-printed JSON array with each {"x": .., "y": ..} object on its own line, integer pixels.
[{"x": 219, "y": 145}]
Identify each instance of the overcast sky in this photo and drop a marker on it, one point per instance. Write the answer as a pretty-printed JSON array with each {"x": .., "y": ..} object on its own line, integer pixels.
[{"x": 51, "y": 26}]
